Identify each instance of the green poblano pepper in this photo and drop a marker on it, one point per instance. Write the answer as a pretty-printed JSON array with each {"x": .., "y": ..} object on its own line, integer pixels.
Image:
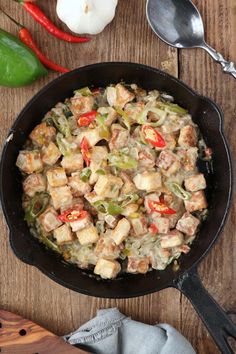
[{"x": 19, "y": 66}]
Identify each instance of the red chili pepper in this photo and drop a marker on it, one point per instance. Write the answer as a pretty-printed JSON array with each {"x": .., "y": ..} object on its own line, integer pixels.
[
  {"x": 152, "y": 136},
  {"x": 84, "y": 146},
  {"x": 161, "y": 208},
  {"x": 72, "y": 214},
  {"x": 95, "y": 91},
  {"x": 41, "y": 18},
  {"x": 153, "y": 229},
  {"x": 87, "y": 118},
  {"x": 26, "y": 38}
]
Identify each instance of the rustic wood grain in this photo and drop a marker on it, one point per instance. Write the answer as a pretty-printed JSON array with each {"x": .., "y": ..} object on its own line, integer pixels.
[
  {"x": 28, "y": 292},
  {"x": 21, "y": 336}
]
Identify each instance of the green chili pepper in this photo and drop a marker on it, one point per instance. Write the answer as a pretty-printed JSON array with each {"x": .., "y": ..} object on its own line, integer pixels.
[
  {"x": 142, "y": 118},
  {"x": 172, "y": 107},
  {"x": 62, "y": 124},
  {"x": 104, "y": 130},
  {"x": 63, "y": 145},
  {"x": 100, "y": 171},
  {"x": 85, "y": 174},
  {"x": 128, "y": 199},
  {"x": 49, "y": 244},
  {"x": 37, "y": 206},
  {"x": 84, "y": 91},
  {"x": 19, "y": 66},
  {"x": 108, "y": 207},
  {"x": 125, "y": 117},
  {"x": 178, "y": 190},
  {"x": 122, "y": 161}
]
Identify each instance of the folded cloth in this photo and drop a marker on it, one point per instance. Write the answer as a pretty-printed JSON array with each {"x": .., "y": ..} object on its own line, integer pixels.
[{"x": 111, "y": 332}]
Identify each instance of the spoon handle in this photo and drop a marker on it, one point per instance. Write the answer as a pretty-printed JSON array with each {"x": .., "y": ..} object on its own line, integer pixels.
[{"x": 228, "y": 66}]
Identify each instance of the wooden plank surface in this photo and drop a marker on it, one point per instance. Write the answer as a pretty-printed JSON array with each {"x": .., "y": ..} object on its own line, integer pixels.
[{"x": 23, "y": 289}]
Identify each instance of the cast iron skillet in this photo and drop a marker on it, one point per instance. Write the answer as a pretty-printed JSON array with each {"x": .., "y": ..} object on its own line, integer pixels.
[{"x": 219, "y": 178}]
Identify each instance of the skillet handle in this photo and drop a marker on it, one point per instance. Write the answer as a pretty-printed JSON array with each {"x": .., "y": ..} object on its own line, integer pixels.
[{"x": 213, "y": 316}]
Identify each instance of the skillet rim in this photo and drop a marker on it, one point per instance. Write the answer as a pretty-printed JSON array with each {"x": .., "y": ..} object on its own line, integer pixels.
[{"x": 224, "y": 142}]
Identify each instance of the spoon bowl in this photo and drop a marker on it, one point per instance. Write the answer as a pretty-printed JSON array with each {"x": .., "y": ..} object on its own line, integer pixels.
[{"x": 179, "y": 24}]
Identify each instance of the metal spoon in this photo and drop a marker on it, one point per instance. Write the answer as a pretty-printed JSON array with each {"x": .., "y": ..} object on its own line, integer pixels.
[{"x": 179, "y": 24}]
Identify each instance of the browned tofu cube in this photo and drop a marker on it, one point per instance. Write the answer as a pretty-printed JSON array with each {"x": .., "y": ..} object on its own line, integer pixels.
[
  {"x": 107, "y": 269},
  {"x": 172, "y": 239},
  {"x": 88, "y": 235},
  {"x": 197, "y": 202},
  {"x": 56, "y": 177},
  {"x": 108, "y": 186},
  {"x": 78, "y": 187},
  {"x": 48, "y": 219},
  {"x": 29, "y": 161},
  {"x": 73, "y": 162},
  {"x": 42, "y": 134},
  {"x": 195, "y": 183},
  {"x": 188, "y": 224},
  {"x": 139, "y": 226},
  {"x": 61, "y": 197},
  {"x": 50, "y": 154},
  {"x": 106, "y": 248},
  {"x": 148, "y": 181},
  {"x": 63, "y": 234},
  {"x": 162, "y": 224},
  {"x": 138, "y": 265},
  {"x": 81, "y": 104},
  {"x": 34, "y": 183},
  {"x": 119, "y": 137},
  {"x": 168, "y": 162},
  {"x": 187, "y": 137},
  {"x": 119, "y": 96},
  {"x": 81, "y": 223},
  {"x": 188, "y": 158},
  {"x": 121, "y": 231}
]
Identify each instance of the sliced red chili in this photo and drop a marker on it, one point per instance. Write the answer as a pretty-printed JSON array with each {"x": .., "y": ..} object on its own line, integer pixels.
[
  {"x": 87, "y": 118},
  {"x": 161, "y": 208},
  {"x": 72, "y": 214},
  {"x": 152, "y": 136},
  {"x": 84, "y": 146},
  {"x": 153, "y": 229}
]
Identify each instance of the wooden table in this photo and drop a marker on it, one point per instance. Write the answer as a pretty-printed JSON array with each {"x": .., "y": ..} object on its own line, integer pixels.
[{"x": 23, "y": 289}]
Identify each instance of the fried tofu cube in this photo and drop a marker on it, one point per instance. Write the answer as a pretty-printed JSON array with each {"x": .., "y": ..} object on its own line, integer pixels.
[
  {"x": 107, "y": 269},
  {"x": 139, "y": 226},
  {"x": 61, "y": 197},
  {"x": 63, "y": 234},
  {"x": 88, "y": 235},
  {"x": 56, "y": 177},
  {"x": 168, "y": 162},
  {"x": 50, "y": 154},
  {"x": 138, "y": 265},
  {"x": 93, "y": 136},
  {"x": 121, "y": 231},
  {"x": 81, "y": 223},
  {"x": 78, "y": 187},
  {"x": 162, "y": 224},
  {"x": 108, "y": 186},
  {"x": 119, "y": 96},
  {"x": 107, "y": 248},
  {"x": 81, "y": 104},
  {"x": 197, "y": 202},
  {"x": 188, "y": 158},
  {"x": 128, "y": 186},
  {"x": 188, "y": 224},
  {"x": 92, "y": 197},
  {"x": 130, "y": 209},
  {"x": 29, "y": 161},
  {"x": 73, "y": 162},
  {"x": 172, "y": 239},
  {"x": 148, "y": 181},
  {"x": 119, "y": 137},
  {"x": 48, "y": 219},
  {"x": 187, "y": 137},
  {"x": 195, "y": 183},
  {"x": 34, "y": 183},
  {"x": 42, "y": 134}
]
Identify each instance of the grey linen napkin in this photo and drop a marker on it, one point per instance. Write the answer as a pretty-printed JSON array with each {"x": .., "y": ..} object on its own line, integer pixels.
[{"x": 111, "y": 332}]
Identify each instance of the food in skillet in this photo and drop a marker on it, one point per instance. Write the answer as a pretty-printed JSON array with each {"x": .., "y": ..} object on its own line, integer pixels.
[{"x": 111, "y": 182}]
